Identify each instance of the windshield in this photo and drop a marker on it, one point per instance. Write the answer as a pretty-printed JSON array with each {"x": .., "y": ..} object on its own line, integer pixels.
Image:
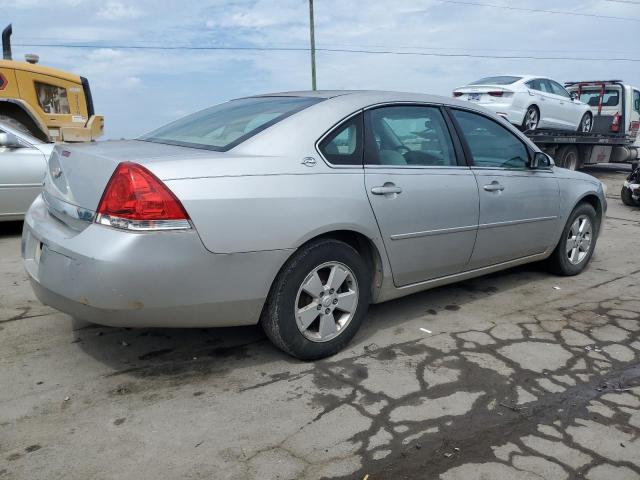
[
  {"x": 496, "y": 81},
  {"x": 225, "y": 126}
]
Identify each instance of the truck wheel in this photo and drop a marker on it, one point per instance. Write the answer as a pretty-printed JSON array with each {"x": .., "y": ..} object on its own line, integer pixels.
[
  {"x": 627, "y": 198},
  {"x": 575, "y": 248},
  {"x": 568, "y": 157},
  {"x": 318, "y": 300},
  {"x": 586, "y": 123}
]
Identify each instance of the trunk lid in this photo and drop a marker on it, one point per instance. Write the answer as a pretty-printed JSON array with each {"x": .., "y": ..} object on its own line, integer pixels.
[
  {"x": 77, "y": 175},
  {"x": 483, "y": 93}
]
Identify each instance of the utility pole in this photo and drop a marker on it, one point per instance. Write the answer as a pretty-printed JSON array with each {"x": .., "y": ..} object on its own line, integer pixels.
[{"x": 313, "y": 46}]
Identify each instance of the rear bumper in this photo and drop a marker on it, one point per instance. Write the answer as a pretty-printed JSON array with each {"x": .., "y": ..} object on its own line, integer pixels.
[{"x": 155, "y": 279}]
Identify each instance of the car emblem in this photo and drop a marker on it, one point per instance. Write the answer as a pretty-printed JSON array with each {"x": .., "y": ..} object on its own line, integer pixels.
[
  {"x": 308, "y": 161},
  {"x": 56, "y": 172}
]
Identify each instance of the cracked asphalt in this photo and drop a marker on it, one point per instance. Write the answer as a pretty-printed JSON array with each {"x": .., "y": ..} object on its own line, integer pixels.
[{"x": 523, "y": 375}]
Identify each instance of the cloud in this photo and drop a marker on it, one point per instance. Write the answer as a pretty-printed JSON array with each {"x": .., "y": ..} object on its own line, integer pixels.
[
  {"x": 118, "y": 11},
  {"x": 138, "y": 90}
]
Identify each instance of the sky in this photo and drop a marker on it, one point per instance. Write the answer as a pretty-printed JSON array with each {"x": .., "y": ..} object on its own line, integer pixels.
[{"x": 140, "y": 89}]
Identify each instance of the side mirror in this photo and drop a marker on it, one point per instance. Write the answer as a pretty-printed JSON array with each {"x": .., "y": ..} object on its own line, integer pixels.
[
  {"x": 540, "y": 160},
  {"x": 9, "y": 140},
  {"x": 574, "y": 96}
]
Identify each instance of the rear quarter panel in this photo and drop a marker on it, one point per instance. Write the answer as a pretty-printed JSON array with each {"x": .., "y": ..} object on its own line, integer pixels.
[
  {"x": 574, "y": 188},
  {"x": 279, "y": 211}
]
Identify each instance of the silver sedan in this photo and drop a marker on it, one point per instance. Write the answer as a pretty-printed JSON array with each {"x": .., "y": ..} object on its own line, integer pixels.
[
  {"x": 298, "y": 210},
  {"x": 23, "y": 161}
]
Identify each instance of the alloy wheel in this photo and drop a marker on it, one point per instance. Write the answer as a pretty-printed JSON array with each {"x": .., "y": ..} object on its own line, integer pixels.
[
  {"x": 579, "y": 239},
  {"x": 586, "y": 124},
  {"x": 326, "y": 301},
  {"x": 531, "y": 121}
]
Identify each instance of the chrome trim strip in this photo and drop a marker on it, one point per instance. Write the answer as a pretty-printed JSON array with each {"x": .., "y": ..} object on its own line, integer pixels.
[
  {"x": 428, "y": 233},
  {"x": 21, "y": 185},
  {"x": 515, "y": 222},
  {"x": 444, "y": 231}
]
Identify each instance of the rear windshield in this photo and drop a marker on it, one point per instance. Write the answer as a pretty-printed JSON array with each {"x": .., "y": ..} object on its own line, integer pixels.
[
  {"x": 496, "y": 81},
  {"x": 227, "y": 125},
  {"x": 611, "y": 97}
]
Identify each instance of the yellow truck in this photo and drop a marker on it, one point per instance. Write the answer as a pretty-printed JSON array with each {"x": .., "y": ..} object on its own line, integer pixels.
[{"x": 50, "y": 104}]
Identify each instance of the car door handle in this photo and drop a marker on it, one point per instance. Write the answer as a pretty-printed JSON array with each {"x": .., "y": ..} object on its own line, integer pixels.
[
  {"x": 494, "y": 187},
  {"x": 386, "y": 189}
]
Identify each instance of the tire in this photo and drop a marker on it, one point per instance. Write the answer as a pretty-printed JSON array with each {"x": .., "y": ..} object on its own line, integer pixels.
[
  {"x": 531, "y": 119},
  {"x": 559, "y": 261},
  {"x": 627, "y": 198},
  {"x": 568, "y": 157},
  {"x": 583, "y": 126},
  {"x": 283, "y": 318}
]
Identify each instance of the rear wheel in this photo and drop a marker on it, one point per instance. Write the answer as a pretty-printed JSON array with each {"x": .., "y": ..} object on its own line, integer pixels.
[
  {"x": 575, "y": 248},
  {"x": 586, "y": 123},
  {"x": 318, "y": 300},
  {"x": 568, "y": 157},
  {"x": 531, "y": 118}
]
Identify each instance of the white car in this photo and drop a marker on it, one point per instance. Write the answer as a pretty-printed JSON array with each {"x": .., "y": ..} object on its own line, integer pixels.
[
  {"x": 529, "y": 102},
  {"x": 23, "y": 162}
]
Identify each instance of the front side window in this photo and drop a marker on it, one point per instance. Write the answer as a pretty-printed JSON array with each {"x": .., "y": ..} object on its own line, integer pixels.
[
  {"x": 227, "y": 125},
  {"x": 558, "y": 89},
  {"x": 343, "y": 146},
  {"x": 52, "y": 99},
  {"x": 636, "y": 101},
  {"x": 409, "y": 135},
  {"x": 491, "y": 144}
]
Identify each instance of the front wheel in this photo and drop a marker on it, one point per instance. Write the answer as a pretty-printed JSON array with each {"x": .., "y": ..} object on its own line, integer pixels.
[
  {"x": 318, "y": 300},
  {"x": 575, "y": 248},
  {"x": 586, "y": 123}
]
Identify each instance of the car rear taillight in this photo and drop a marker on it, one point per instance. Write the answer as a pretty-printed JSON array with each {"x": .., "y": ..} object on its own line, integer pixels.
[
  {"x": 135, "y": 199},
  {"x": 496, "y": 94},
  {"x": 457, "y": 94},
  {"x": 615, "y": 125}
]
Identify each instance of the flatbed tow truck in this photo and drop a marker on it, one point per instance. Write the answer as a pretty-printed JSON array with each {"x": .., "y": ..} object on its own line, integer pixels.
[{"x": 614, "y": 136}]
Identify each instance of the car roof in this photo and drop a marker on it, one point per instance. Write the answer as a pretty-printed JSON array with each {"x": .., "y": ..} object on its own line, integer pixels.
[{"x": 365, "y": 98}]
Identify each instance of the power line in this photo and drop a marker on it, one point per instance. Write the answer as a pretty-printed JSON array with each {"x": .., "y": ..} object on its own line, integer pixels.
[
  {"x": 329, "y": 50},
  {"x": 539, "y": 10}
]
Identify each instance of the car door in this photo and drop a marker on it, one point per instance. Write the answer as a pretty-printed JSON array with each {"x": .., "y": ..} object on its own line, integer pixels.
[
  {"x": 425, "y": 199},
  {"x": 569, "y": 112},
  {"x": 518, "y": 206},
  {"x": 21, "y": 174},
  {"x": 546, "y": 102}
]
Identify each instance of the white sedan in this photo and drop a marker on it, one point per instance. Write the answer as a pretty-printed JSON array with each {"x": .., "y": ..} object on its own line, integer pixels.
[
  {"x": 23, "y": 162},
  {"x": 529, "y": 102}
]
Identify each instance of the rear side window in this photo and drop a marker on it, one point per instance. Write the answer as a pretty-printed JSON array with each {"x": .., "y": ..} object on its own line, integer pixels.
[
  {"x": 227, "y": 125},
  {"x": 503, "y": 80},
  {"x": 343, "y": 146},
  {"x": 491, "y": 144},
  {"x": 408, "y": 135}
]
